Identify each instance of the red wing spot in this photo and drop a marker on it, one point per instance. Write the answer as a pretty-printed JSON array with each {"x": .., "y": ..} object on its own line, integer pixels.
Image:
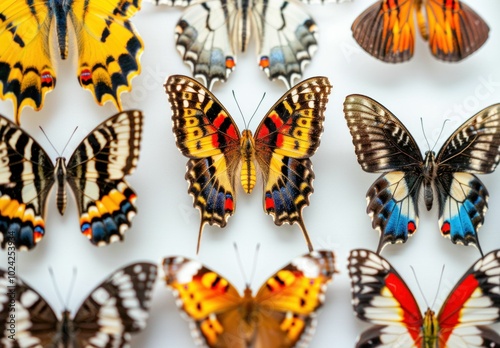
[
  {"x": 218, "y": 120},
  {"x": 47, "y": 79},
  {"x": 279, "y": 140},
  {"x": 445, "y": 229},
  {"x": 229, "y": 205},
  {"x": 86, "y": 77},
  {"x": 263, "y": 132},
  {"x": 269, "y": 203},
  {"x": 411, "y": 227},
  {"x": 230, "y": 64},
  {"x": 38, "y": 236},
  {"x": 264, "y": 62}
]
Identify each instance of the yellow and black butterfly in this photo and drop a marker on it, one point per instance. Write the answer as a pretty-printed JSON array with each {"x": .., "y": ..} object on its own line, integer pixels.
[
  {"x": 285, "y": 139},
  {"x": 108, "y": 48}
]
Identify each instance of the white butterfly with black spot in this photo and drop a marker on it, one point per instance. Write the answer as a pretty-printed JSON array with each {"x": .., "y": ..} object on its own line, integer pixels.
[{"x": 112, "y": 312}]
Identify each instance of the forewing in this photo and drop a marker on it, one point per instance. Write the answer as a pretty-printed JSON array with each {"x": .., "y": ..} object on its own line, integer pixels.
[
  {"x": 109, "y": 47},
  {"x": 475, "y": 146},
  {"x": 208, "y": 301},
  {"x": 285, "y": 139},
  {"x": 116, "y": 308},
  {"x": 286, "y": 39},
  {"x": 289, "y": 300},
  {"x": 35, "y": 323},
  {"x": 205, "y": 133},
  {"x": 382, "y": 143},
  {"x": 26, "y": 68},
  {"x": 455, "y": 30},
  {"x": 380, "y": 296},
  {"x": 96, "y": 172},
  {"x": 475, "y": 300},
  {"x": 26, "y": 177},
  {"x": 386, "y": 30}
]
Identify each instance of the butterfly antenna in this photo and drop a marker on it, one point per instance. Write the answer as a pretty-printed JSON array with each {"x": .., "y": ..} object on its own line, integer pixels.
[
  {"x": 440, "y": 133},
  {"x": 257, "y": 108},
  {"x": 439, "y": 286},
  {"x": 240, "y": 264},
  {"x": 254, "y": 267},
  {"x": 58, "y": 293},
  {"x": 239, "y": 108},
  {"x": 419, "y": 287},
  {"x": 50, "y": 142},
  {"x": 71, "y": 137},
  {"x": 425, "y": 136},
  {"x": 71, "y": 286}
]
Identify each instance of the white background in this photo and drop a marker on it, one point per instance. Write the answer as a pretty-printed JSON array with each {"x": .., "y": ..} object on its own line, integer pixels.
[{"x": 167, "y": 224}]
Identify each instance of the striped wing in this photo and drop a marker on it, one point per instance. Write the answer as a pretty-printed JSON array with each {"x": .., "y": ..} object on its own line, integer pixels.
[
  {"x": 26, "y": 177},
  {"x": 26, "y": 68},
  {"x": 96, "y": 172},
  {"x": 208, "y": 136},
  {"x": 474, "y": 148},
  {"x": 473, "y": 303},
  {"x": 455, "y": 30},
  {"x": 109, "y": 47},
  {"x": 380, "y": 296},
  {"x": 285, "y": 139},
  {"x": 383, "y": 144},
  {"x": 386, "y": 30}
]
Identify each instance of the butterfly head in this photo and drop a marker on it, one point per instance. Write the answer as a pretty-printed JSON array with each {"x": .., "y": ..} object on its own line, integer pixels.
[{"x": 430, "y": 328}]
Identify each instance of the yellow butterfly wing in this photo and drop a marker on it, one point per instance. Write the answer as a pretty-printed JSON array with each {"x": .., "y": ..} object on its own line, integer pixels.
[
  {"x": 109, "y": 47},
  {"x": 26, "y": 69}
]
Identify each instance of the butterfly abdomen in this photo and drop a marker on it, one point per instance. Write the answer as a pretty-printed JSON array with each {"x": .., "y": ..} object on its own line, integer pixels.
[
  {"x": 248, "y": 174},
  {"x": 61, "y": 15},
  {"x": 60, "y": 177}
]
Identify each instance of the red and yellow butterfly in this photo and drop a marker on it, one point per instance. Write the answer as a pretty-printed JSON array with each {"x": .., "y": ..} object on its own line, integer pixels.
[
  {"x": 281, "y": 314},
  {"x": 287, "y": 136},
  {"x": 380, "y": 296},
  {"x": 386, "y": 30}
]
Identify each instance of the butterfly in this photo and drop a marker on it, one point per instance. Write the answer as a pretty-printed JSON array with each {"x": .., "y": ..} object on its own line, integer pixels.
[
  {"x": 285, "y": 139},
  {"x": 384, "y": 145},
  {"x": 95, "y": 172},
  {"x": 108, "y": 48},
  {"x": 281, "y": 314},
  {"x": 210, "y": 33},
  {"x": 386, "y": 30},
  {"x": 381, "y": 297},
  {"x": 113, "y": 311}
]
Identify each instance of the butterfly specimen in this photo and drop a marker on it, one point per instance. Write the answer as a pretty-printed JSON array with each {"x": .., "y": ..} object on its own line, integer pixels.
[
  {"x": 386, "y": 30},
  {"x": 112, "y": 312},
  {"x": 381, "y": 297},
  {"x": 95, "y": 172},
  {"x": 281, "y": 314},
  {"x": 384, "y": 145},
  {"x": 285, "y": 139},
  {"x": 108, "y": 48},
  {"x": 210, "y": 33}
]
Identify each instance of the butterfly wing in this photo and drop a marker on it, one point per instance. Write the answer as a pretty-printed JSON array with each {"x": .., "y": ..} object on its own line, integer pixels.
[
  {"x": 386, "y": 30},
  {"x": 26, "y": 177},
  {"x": 285, "y": 139},
  {"x": 109, "y": 47},
  {"x": 116, "y": 308},
  {"x": 474, "y": 148},
  {"x": 208, "y": 136},
  {"x": 455, "y": 30},
  {"x": 383, "y": 144},
  {"x": 289, "y": 300},
  {"x": 381, "y": 297},
  {"x": 96, "y": 172},
  {"x": 26, "y": 68},
  {"x": 35, "y": 322},
  {"x": 208, "y": 301},
  {"x": 473, "y": 303},
  {"x": 286, "y": 39}
]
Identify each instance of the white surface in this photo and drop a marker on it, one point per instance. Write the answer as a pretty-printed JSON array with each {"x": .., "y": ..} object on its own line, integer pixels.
[{"x": 167, "y": 224}]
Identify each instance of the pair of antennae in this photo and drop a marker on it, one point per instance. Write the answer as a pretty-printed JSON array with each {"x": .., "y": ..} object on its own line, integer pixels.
[
  {"x": 243, "y": 117},
  {"x": 248, "y": 282},
  {"x": 439, "y": 136},
  {"x": 71, "y": 287},
  {"x": 420, "y": 288},
  {"x": 71, "y": 137}
]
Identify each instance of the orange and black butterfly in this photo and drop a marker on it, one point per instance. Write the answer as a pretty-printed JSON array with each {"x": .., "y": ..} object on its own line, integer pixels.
[{"x": 386, "y": 29}]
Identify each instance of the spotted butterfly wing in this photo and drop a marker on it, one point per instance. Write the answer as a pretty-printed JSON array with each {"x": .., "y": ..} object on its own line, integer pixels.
[
  {"x": 95, "y": 173},
  {"x": 381, "y": 297},
  {"x": 383, "y": 144},
  {"x": 210, "y": 33},
  {"x": 386, "y": 30},
  {"x": 286, "y": 138},
  {"x": 108, "y": 48},
  {"x": 113, "y": 311},
  {"x": 281, "y": 314}
]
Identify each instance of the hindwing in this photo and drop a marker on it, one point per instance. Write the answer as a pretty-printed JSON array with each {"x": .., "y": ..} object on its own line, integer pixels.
[{"x": 282, "y": 314}]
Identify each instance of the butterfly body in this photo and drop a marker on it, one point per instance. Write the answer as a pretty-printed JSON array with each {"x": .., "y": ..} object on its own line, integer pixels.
[
  {"x": 381, "y": 297},
  {"x": 384, "y": 145},
  {"x": 219, "y": 154},
  {"x": 386, "y": 30},
  {"x": 280, "y": 315}
]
